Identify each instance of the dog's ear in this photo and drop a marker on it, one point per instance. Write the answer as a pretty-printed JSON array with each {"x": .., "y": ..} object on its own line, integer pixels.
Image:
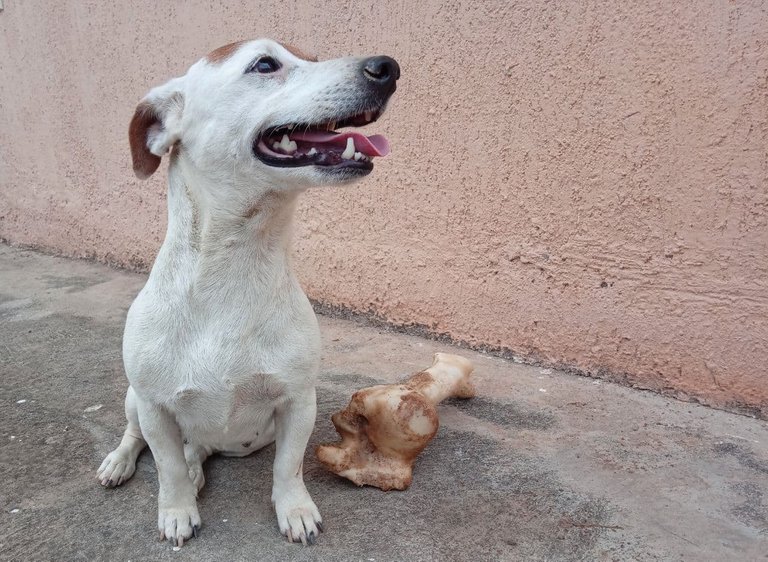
[{"x": 156, "y": 126}]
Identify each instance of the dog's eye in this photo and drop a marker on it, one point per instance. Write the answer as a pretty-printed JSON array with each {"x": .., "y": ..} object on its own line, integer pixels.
[{"x": 264, "y": 65}]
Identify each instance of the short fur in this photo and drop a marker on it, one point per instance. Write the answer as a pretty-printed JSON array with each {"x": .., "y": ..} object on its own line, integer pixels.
[{"x": 221, "y": 346}]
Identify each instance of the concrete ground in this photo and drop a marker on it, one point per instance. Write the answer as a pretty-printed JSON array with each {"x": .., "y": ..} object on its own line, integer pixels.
[{"x": 540, "y": 466}]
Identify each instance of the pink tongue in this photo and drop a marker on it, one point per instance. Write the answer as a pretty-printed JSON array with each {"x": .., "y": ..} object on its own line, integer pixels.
[{"x": 375, "y": 145}]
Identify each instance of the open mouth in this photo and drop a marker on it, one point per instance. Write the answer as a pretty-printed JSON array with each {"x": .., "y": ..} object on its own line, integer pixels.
[{"x": 319, "y": 144}]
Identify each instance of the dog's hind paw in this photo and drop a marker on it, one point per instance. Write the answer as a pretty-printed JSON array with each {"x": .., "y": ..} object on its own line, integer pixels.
[
  {"x": 197, "y": 476},
  {"x": 178, "y": 524},
  {"x": 116, "y": 468}
]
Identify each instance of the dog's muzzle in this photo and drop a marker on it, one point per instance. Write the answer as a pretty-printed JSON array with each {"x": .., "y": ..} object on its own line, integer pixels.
[{"x": 318, "y": 143}]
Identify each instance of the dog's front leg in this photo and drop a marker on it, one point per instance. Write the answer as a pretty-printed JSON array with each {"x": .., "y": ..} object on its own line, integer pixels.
[
  {"x": 177, "y": 516},
  {"x": 297, "y": 515}
]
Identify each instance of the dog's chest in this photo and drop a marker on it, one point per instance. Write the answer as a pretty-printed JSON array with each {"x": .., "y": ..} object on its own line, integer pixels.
[
  {"x": 206, "y": 381},
  {"x": 221, "y": 372}
]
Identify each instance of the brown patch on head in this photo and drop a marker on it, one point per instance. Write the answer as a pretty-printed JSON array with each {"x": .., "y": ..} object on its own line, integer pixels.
[
  {"x": 298, "y": 53},
  {"x": 144, "y": 162},
  {"x": 223, "y": 53}
]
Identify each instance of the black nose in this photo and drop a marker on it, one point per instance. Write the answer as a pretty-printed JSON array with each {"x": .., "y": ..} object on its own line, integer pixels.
[{"x": 383, "y": 72}]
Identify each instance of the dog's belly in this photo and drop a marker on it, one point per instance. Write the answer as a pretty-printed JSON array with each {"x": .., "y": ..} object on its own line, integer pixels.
[{"x": 233, "y": 418}]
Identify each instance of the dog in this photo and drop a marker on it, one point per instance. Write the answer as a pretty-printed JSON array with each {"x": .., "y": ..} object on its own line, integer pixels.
[{"x": 221, "y": 347}]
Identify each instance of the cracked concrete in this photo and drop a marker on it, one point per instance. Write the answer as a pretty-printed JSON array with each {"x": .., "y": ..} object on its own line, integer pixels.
[{"x": 540, "y": 466}]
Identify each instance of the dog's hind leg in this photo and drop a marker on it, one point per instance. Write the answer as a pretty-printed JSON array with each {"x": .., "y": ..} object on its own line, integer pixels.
[
  {"x": 120, "y": 464},
  {"x": 195, "y": 456}
]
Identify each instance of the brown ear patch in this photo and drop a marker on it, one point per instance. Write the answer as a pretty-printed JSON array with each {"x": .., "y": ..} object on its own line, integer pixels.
[
  {"x": 144, "y": 162},
  {"x": 223, "y": 53},
  {"x": 298, "y": 53}
]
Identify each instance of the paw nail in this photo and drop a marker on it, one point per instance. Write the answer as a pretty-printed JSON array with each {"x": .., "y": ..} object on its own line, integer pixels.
[
  {"x": 195, "y": 529},
  {"x": 320, "y": 527}
]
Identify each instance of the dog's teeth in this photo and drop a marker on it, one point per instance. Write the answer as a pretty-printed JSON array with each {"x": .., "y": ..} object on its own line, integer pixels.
[
  {"x": 276, "y": 145},
  {"x": 368, "y": 115},
  {"x": 332, "y": 125},
  {"x": 349, "y": 152},
  {"x": 358, "y": 155},
  {"x": 312, "y": 151},
  {"x": 288, "y": 146}
]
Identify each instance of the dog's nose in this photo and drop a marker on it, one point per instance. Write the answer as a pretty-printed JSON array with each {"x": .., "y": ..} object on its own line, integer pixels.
[{"x": 383, "y": 72}]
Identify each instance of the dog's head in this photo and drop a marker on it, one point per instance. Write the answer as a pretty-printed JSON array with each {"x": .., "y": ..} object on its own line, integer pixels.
[{"x": 263, "y": 112}]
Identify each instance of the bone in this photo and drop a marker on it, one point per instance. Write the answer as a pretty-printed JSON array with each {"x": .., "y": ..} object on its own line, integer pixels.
[{"x": 385, "y": 427}]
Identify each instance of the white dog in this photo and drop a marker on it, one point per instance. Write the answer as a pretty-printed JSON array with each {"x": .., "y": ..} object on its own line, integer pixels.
[{"x": 221, "y": 347}]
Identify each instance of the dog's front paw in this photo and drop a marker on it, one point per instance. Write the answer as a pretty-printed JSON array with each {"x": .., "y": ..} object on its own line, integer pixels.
[
  {"x": 178, "y": 523},
  {"x": 298, "y": 518}
]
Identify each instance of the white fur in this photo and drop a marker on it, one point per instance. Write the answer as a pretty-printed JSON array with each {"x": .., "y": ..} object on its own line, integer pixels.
[{"x": 221, "y": 346}]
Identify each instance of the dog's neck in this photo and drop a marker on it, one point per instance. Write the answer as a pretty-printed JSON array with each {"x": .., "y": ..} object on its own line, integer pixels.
[{"x": 244, "y": 245}]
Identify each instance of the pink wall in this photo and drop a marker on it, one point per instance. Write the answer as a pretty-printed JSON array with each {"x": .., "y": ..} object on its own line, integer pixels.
[{"x": 582, "y": 182}]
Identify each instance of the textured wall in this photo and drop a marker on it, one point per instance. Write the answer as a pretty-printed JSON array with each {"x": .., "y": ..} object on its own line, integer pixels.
[{"x": 582, "y": 182}]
